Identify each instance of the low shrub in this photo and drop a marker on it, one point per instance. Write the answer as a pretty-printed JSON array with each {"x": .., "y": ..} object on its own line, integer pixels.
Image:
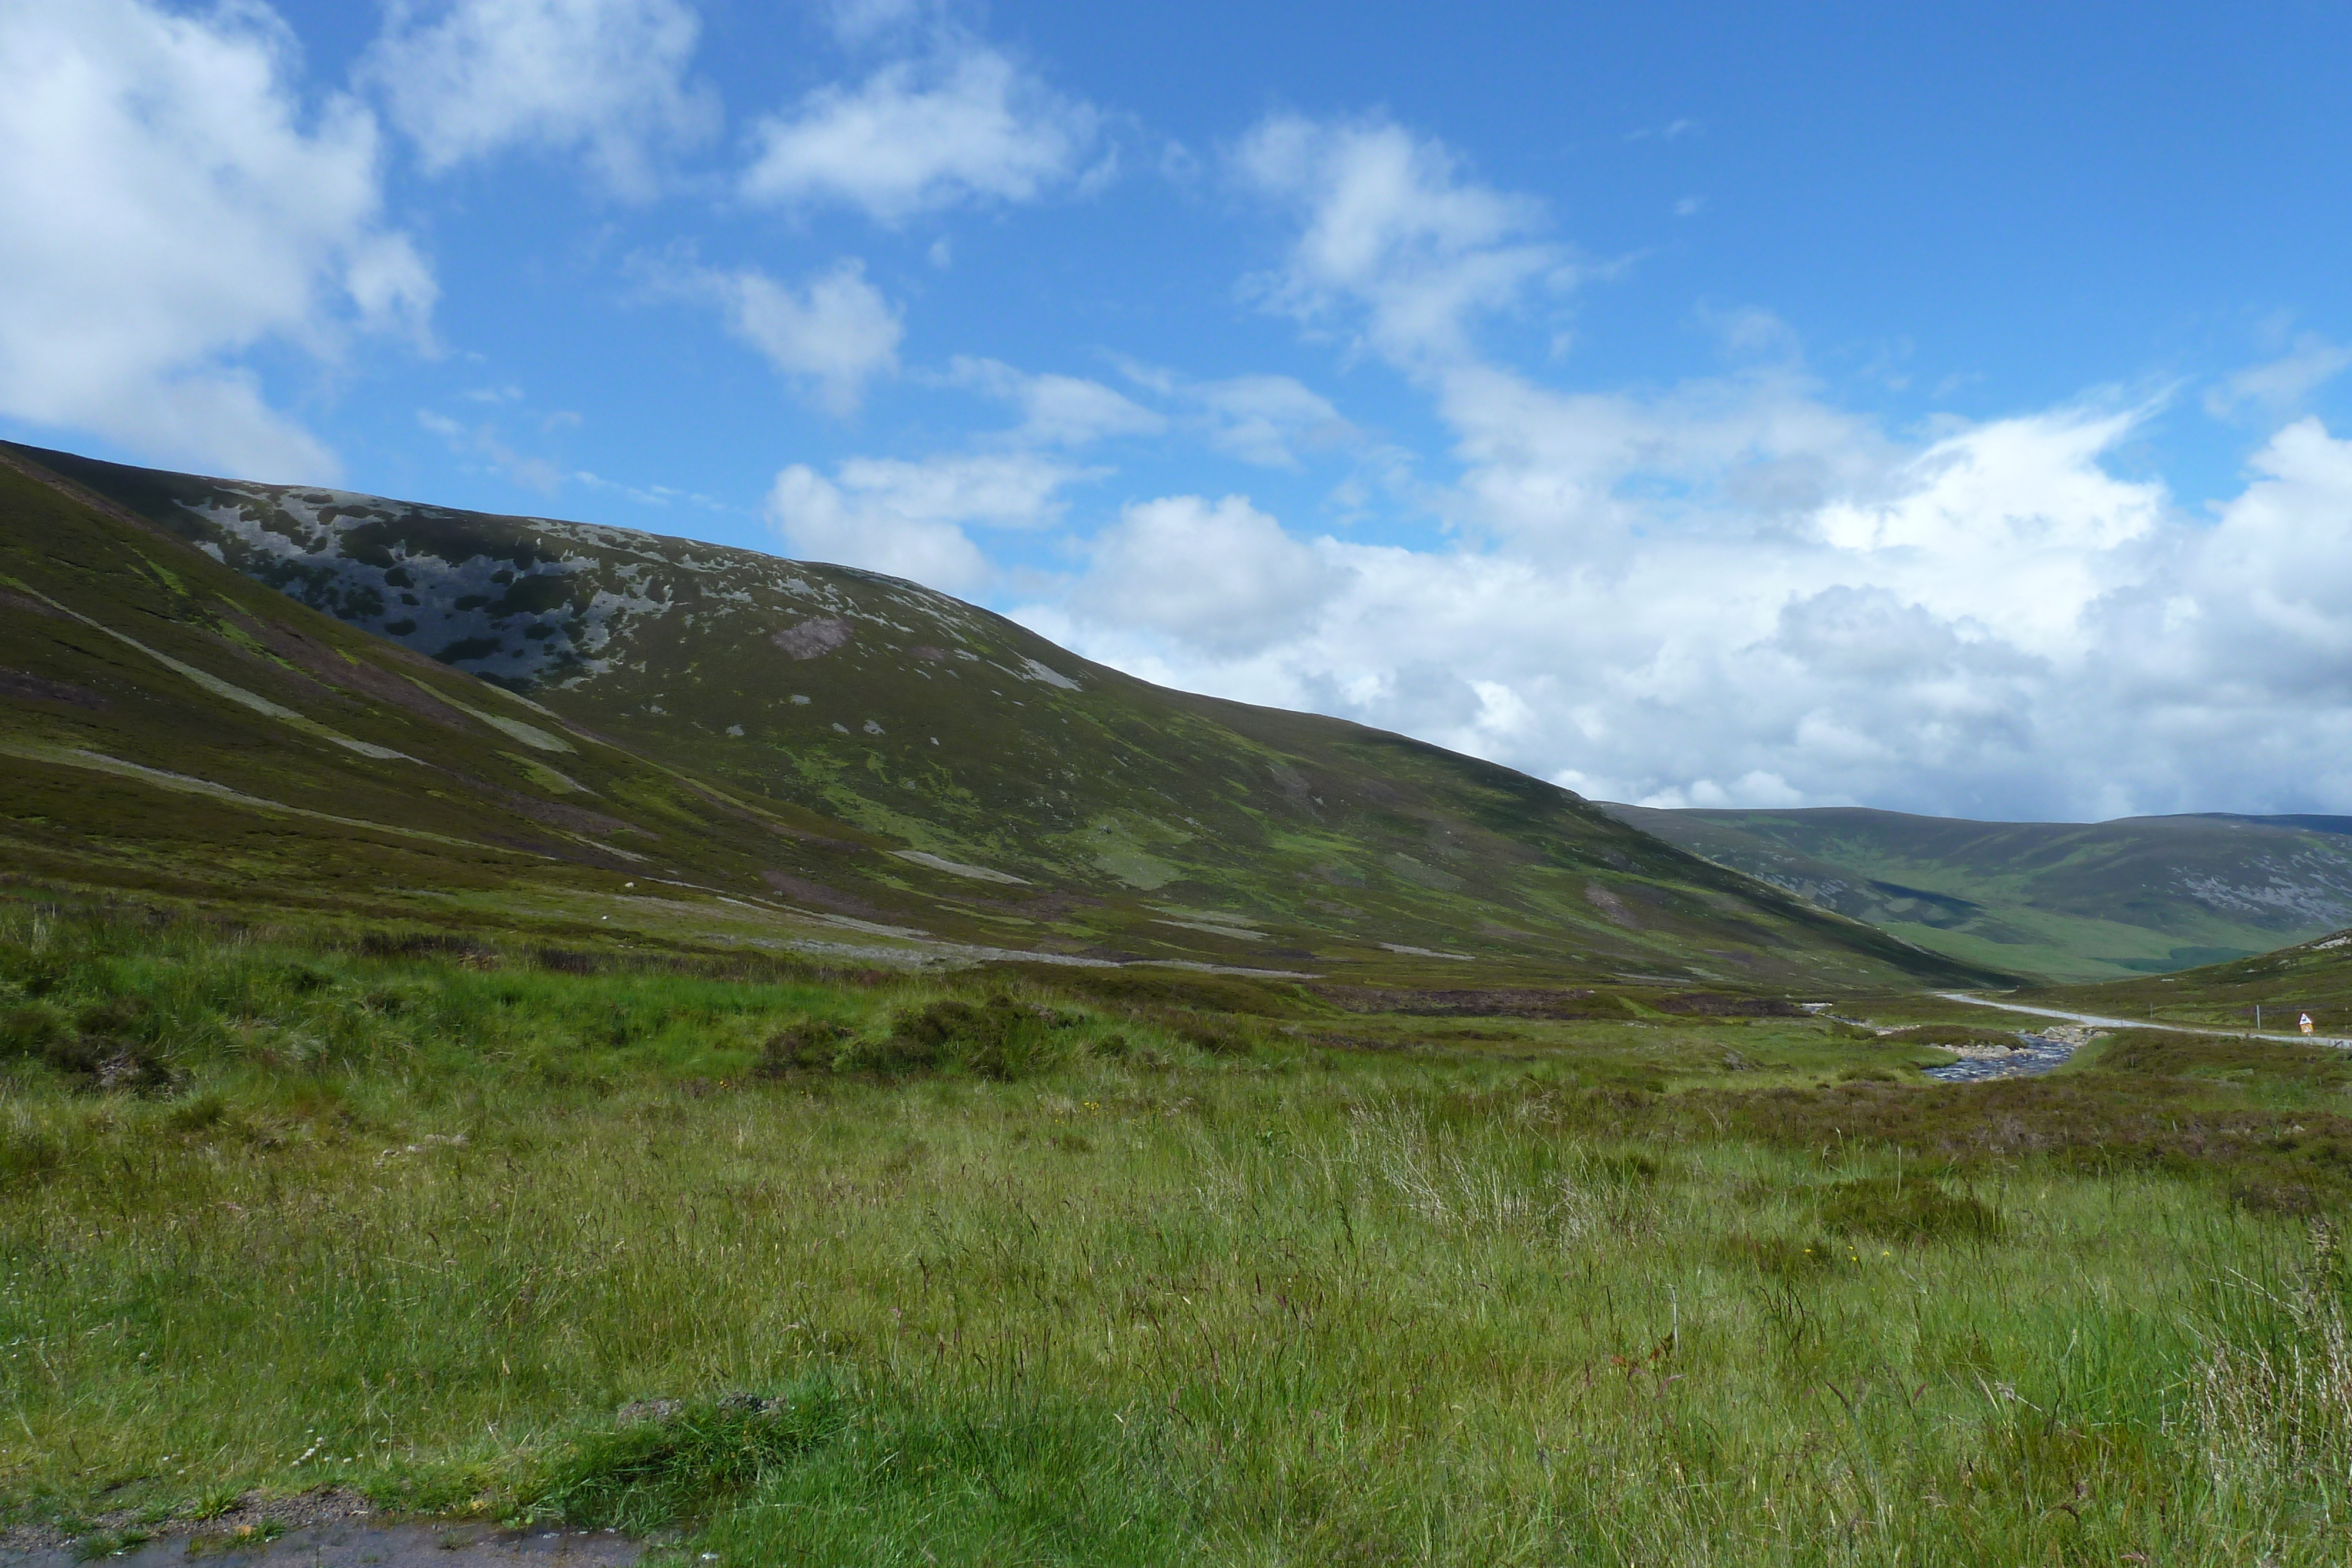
[
  {"x": 1787, "y": 1258},
  {"x": 1900, "y": 1209},
  {"x": 29, "y": 1030},
  {"x": 812, "y": 1046},
  {"x": 1212, "y": 1035},
  {"x": 1156, "y": 988},
  {"x": 999, "y": 1037},
  {"x": 116, "y": 1018},
  {"x": 28, "y": 1154}
]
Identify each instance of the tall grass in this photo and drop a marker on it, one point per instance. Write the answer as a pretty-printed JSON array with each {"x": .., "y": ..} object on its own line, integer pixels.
[{"x": 508, "y": 1241}]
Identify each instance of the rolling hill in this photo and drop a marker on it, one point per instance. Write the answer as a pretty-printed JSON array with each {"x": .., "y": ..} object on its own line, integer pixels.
[
  {"x": 255, "y": 696},
  {"x": 2061, "y": 900}
]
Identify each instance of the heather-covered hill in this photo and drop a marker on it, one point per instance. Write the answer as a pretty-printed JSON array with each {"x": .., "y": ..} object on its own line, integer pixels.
[{"x": 522, "y": 709}]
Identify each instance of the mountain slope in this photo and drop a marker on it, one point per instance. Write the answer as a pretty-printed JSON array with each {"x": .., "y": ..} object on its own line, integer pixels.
[
  {"x": 2066, "y": 901},
  {"x": 839, "y": 756}
]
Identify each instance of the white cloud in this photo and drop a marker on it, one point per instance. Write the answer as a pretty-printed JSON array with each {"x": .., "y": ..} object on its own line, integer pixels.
[
  {"x": 485, "y": 441},
  {"x": 1056, "y": 410},
  {"x": 1266, "y": 420},
  {"x": 961, "y": 126},
  {"x": 173, "y": 208},
  {"x": 1731, "y": 591},
  {"x": 1388, "y": 223},
  {"x": 2000, "y": 627},
  {"x": 605, "y": 78},
  {"x": 833, "y": 336},
  {"x": 857, "y": 22},
  {"x": 908, "y": 519},
  {"x": 1221, "y": 577},
  {"x": 2278, "y": 387}
]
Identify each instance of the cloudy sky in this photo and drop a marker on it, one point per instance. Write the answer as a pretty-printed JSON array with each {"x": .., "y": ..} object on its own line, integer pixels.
[{"x": 1935, "y": 407}]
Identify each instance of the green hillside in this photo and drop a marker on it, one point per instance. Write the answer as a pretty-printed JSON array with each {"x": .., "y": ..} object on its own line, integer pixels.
[
  {"x": 260, "y": 695},
  {"x": 2061, "y": 900}
]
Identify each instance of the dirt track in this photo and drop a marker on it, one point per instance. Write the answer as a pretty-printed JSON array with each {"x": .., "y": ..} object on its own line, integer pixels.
[
  {"x": 2337, "y": 1040},
  {"x": 359, "y": 1544}
]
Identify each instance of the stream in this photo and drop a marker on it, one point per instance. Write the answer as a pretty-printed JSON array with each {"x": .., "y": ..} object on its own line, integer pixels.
[{"x": 2039, "y": 1053}]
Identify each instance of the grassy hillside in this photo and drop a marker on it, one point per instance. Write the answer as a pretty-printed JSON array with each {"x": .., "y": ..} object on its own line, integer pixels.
[
  {"x": 2064, "y": 900},
  {"x": 1025, "y": 1268},
  {"x": 251, "y": 693}
]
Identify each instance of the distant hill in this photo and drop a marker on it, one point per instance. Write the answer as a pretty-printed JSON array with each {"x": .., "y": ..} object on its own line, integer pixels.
[
  {"x": 258, "y": 695},
  {"x": 2064, "y": 900}
]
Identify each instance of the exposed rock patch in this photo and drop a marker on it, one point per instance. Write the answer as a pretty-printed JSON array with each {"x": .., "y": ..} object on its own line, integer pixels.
[{"x": 815, "y": 638}]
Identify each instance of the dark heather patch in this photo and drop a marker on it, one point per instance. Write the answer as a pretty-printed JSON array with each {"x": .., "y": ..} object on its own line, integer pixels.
[
  {"x": 1707, "y": 1004},
  {"x": 465, "y": 648},
  {"x": 555, "y": 813},
  {"x": 800, "y": 890},
  {"x": 815, "y": 639},
  {"x": 1488, "y": 1001},
  {"x": 30, "y": 605},
  {"x": 369, "y": 680},
  {"x": 35, "y": 688}
]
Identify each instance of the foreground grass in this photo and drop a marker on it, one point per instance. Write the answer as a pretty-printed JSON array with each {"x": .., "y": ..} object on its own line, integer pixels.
[{"x": 1172, "y": 1293}]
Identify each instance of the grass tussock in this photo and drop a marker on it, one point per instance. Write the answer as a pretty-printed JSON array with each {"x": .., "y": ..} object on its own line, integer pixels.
[{"x": 794, "y": 1269}]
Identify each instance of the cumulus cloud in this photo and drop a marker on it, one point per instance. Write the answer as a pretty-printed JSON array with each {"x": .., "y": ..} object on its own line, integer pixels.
[
  {"x": 1056, "y": 410},
  {"x": 908, "y": 519},
  {"x": 1742, "y": 656},
  {"x": 830, "y": 337},
  {"x": 1221, "y": 577},
  {"x": 604, "y": 78},
  {"x": 1387, "y": 221},
  {"x": 1268, "y": 420},
  {"x": 959, "y": 125},
  {"x": 173, "y": 208},
  {"x": 2004, "y": 629}
]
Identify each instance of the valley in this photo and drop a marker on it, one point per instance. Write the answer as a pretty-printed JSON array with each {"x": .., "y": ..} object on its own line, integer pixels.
[
  {"x": 2058, "y": 901},
  {"x": 512, "y": 1025}
]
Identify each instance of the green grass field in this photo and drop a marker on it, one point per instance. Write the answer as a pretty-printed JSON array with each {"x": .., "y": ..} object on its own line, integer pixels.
[{"x": 782, "y": 1266}]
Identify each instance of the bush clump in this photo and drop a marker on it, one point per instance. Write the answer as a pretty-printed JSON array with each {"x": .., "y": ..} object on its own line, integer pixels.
[
  {"x": 1211, "y": 1035},
  {"x": 105, "y": 1049},
  {"x": 810, "y": 1046},
  {"x": 999, "y": 1037},
  {"x": 1907, "y": 1209},
  {"x": 30, "y": 1031}
]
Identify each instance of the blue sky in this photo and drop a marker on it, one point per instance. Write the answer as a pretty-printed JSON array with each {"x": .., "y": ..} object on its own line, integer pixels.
[{"x": 1928, "y": 407}]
